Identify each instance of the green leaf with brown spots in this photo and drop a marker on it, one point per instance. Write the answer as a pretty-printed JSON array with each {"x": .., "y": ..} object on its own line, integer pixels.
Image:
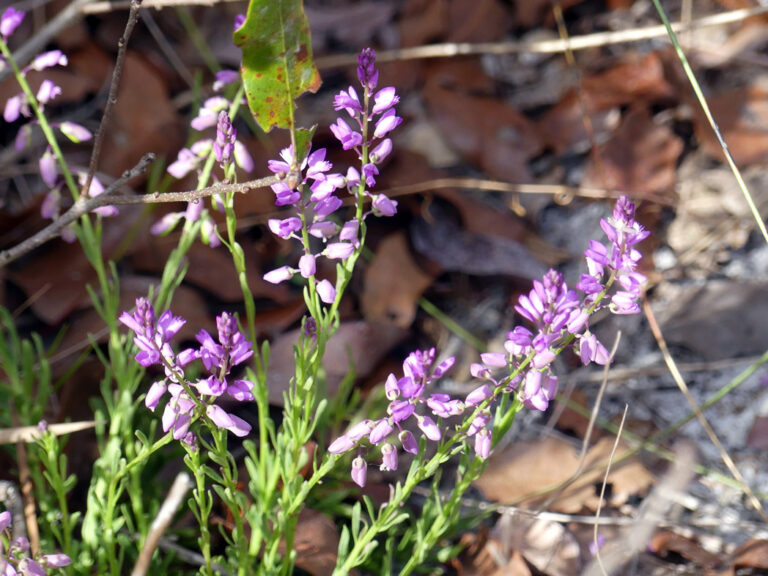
[{"x": 277, "y": 60}]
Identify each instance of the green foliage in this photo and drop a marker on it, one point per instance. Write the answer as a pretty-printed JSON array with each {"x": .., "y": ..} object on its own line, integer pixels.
[{"x": 277, "y": 60}]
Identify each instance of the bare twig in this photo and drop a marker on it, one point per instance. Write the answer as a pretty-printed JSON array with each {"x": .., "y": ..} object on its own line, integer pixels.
[
  {"x": 112, "y": 5},
  {"x": 27, "y": 491},
  {"x": 173, "y": 500},
  {"x": 602, "y": 490},
  {"x": 122, "y": 48},
  {"x": 82, "y": 205},
  {"x": 450, "y": 50},
  {"x": 31, "y": 433},
  {"x": 654, "y": 509},
  {"x": 673, "y": 370},
  {"x": 86, "y": 204}
]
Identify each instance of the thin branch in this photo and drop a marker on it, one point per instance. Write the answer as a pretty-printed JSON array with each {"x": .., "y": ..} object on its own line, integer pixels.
[
  {"x": 173, "y": 500},
  {"x": 122, "y": 46},
  {"x": 112, "y": 5},
  {"x": 450, "y": 50},
  {"x": 86, "y": 204},
  {"x": 678, "y": 378}
]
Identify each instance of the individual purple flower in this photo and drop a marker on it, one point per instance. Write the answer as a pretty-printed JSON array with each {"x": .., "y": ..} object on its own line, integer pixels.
[
  {"x": 359, "y": 471},
  {"x": 384, "y": 206},
  {"x": 384, "y": 99},
  {"x": 9, "y": 21},
  {"x": 47, "y": 92},
  {"x": 48, "y": 169},
  {"x": 349, "y": 138},
  {"x": 223, "y": 419},
  {"x": 348, "y": 101},
  {"x": 326, "y": 291},
  {"x": 47, "y": 60},
  {"x": 388, "y": 122},
  {"x": 75, "y": 132},
  {"x": 388, "y": 457},
  {"x": 339, "y": 250},
  {"x": 307, "y": 265},
  {"x": 284, "y": 228},
  {"x": 224, "y": 78},
  {"x": 483, "y": 443},
  {"x": 239, "y": 21},
  {"x": 279, "y": 275}
]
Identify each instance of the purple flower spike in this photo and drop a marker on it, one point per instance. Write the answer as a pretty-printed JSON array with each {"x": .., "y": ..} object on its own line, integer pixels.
[
  {"x": 9, "y": 21},
  {"x": 366, "y": 69},
  {"x": 359, "y": 471},
  {"x": 224, "y": 146}
]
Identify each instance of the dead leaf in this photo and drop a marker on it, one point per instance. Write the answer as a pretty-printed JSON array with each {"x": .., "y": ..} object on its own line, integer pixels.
[
  {"x": 547, "y": 545},
  {"x": 521, "y": 471},
  {"x": 315, "y": 543},
  {"x": 393, "y": 283},
  {"x": 752, "y": 554},
  {"x": 665, "y": 542},
  {"x": 742, "y": 115},
  {"x": 357, "y": 344},
  {"x": 144, "y": 119},
  {"x": 445, "y": 242},
  {"x": 719, "y": 303},
  {"x": 485, "y": 131},
  {"x": 641, "y": 157},
  {"x": 635, "y": 78}
]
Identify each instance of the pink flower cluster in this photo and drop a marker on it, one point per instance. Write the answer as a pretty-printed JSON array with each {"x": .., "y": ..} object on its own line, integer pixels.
[
  {"x": 310, "y": 187},
  {"x": 19, "y": 106},
  {"x": 15, "y": 560},
  {"x": 190, "y": 400}
]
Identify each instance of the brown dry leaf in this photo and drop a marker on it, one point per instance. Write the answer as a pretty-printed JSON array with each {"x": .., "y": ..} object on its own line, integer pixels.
[
  {"x": 742, "y": 115},
  {"x": 525, "y": 468},
  {"x": 641, "y": 157},
  {"x": 55, "y": 276},
  {"x": 480, "y": 218},
  {"x": 445, "y": 242},
  {"x": 316, "y": 543},
  {"x": 187, "y": 303},
  {"x": 209, "y": 268},
  {"x": 664, "y": 542},
  {"x": 562, "y": 126},
  {"x": 719, "y": 303},
  {"x": 478, "y": 21},
  {"x": 758, "y": 434},
  {"x": 485, "y": 131},
  {"x": 359, "y": 344},
  {"x": 636, "y": 78},
  {"x": 144, "y": 119},
  {"x": 393, "y": 283},
  {"x": 548, "y": 546},
  {"x": 752, "y": 554}
]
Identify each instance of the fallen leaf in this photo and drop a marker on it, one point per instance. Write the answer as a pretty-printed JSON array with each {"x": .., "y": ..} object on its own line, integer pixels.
[
  {"x": 140, "y": 124},
  {"x": 393, "y": 283},
  {"x": 485, "y": 131},
  {"x": 520, "y": 472},
  {"x": 315, "y": 543},
  {"x": 445, "y": 242},
  {"x": 357, "y": 345},
  {"x": 695, "y": 310},
  {"x": 665, "y": 542},
  {"x": 547, "y": 545},
  {"x": 742, "y": 115},
  {"x": 752, "y": 554},
  {"x": 641, "y": 157}
]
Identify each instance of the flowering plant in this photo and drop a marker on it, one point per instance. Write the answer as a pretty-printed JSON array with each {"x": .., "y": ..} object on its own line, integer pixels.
[{"x": 212, "y": 397}]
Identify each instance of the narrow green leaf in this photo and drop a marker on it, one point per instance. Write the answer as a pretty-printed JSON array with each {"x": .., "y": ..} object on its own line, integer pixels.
[{"x": 277, "y": 60}]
